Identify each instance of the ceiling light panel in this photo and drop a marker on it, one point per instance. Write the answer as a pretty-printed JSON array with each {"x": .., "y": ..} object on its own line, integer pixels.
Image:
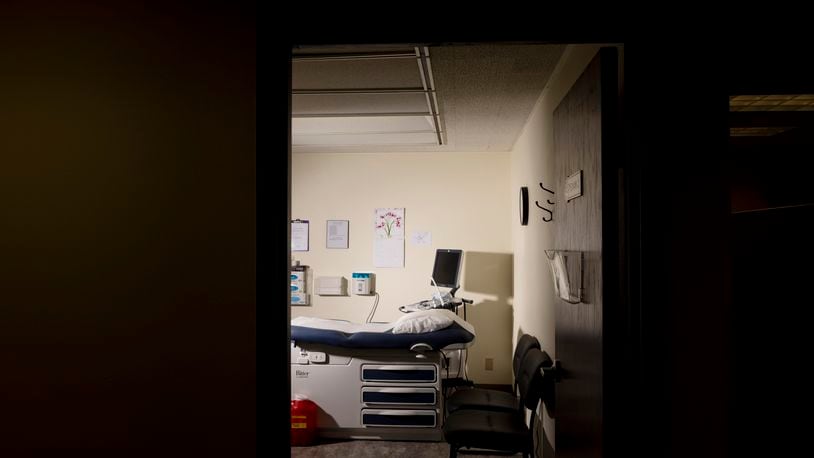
[
  {"x": 355, "y": 74},
  {"x": 777, "y": 102},
  {"x": 358, "y": 104},
  {"x": 328, "y": 50},
  {"x": 756, "y": 131},
  {"x": 417, "y": 138},
  {"x": 384, "y": 130},
  {"x": 364, "y": 97},
  {"x": 357, "y": 125}
]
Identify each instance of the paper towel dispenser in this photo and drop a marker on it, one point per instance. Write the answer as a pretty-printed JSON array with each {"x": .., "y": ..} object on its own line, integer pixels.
[{"x": 332, "y": 286}]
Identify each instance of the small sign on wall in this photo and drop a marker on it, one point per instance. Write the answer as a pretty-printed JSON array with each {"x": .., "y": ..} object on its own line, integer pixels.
[
  {"x": 421, "y": 238},
  {"x": 337, "y": 233},
  {"x": 573, "y": 186},
  {"x": 299, "y": 235}
]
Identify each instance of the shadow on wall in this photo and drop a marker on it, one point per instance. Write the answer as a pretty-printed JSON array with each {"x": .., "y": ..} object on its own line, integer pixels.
[{"x": 490, "y": 274}]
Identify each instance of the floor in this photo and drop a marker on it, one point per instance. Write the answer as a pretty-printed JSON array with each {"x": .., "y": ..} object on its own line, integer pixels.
[{"x": 388, "y": 449}]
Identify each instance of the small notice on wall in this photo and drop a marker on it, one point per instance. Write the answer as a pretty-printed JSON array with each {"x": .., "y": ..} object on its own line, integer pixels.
[
  {"x": 421, "y": 238},
  {"x": 337, "y": 234},
  {"x": 388, "y": 243},
  {"x": 299, "y": 235},
  {"x": 573, "y": 186}
]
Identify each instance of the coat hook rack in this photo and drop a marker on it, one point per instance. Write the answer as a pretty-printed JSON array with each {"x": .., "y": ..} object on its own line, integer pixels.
[{"x": 537, "y": 203}]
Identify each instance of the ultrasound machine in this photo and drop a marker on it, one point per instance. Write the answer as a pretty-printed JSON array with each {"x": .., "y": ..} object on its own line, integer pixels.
[{"x": 445, "y": 274}]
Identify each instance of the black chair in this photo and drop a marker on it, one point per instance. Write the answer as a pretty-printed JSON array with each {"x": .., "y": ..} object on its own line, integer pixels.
[
  {"x": 483, "y": 399},
  {"x": 502, "y": 431}
]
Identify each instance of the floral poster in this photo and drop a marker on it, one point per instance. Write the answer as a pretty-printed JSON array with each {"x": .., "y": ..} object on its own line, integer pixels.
[{"x": 388, "y": 248}]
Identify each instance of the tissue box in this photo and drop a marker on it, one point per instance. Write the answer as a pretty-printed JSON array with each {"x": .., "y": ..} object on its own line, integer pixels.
[
  {"x": 297, "y": 287},
  {"x": 299, "y": 299}
]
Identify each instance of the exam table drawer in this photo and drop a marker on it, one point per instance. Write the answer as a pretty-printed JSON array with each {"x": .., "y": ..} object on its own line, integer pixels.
[
  {"x": 403, "y": 396},
  {"x": 399, "y": 373},
  {"x": 401, "y": 418}
]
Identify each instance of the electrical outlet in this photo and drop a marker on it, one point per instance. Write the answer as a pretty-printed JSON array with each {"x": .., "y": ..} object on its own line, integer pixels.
[{"x": 490, "y": 364}]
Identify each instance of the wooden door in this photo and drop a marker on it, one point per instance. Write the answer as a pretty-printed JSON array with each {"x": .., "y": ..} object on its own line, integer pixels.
[{"x": 585, "y": 133}]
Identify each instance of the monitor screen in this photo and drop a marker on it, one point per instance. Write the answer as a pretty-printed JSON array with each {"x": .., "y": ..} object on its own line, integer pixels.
[{"x": 447, "y": 267}]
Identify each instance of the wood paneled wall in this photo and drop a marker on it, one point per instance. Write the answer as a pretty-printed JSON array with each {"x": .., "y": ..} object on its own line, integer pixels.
[{"x": 578, "y": 227}]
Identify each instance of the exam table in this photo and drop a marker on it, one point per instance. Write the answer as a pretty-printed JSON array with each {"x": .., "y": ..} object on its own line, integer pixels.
[{"x": 376, "y": 380}]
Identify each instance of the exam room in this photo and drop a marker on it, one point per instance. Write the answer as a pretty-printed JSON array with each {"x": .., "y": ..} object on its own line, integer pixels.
[{"x": 494, "y": 104}]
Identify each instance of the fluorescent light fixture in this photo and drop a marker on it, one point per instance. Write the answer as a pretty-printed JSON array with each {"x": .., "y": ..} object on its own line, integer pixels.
[
  {"x": 360, "y": 125},
  {"x": 389, "y": 138},
  {"x": 363, "y": 130},
  {"x": 776, "y": 102},
  {"x": 365, "y": 98},
  {"x": 756, "y": 131}
]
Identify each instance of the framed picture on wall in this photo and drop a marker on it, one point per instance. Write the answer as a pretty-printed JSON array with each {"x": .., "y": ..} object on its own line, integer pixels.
[{"x": 337, "y": 233}]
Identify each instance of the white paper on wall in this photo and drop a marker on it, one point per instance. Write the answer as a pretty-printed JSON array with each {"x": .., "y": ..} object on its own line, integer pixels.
[
  {"x": 561, "y": 274},
  {"x": 299, "y": 235},
  {"x": 337, "y": 234},
  {"x": 421, "y": 238}
]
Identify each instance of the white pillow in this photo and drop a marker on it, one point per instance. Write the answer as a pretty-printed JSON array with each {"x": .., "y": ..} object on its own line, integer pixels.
[{"x": 423, "y": 321}]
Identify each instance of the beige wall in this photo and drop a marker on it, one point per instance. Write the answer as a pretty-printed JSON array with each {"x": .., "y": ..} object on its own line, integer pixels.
[
  {"x": 532, "y": 162},
  {"x": 463, "y": 199}
]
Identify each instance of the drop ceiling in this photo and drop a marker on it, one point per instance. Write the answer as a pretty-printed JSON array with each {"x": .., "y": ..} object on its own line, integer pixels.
[
  {"x": 770, "y": 115},
  {"x": 416, "y": 98}
]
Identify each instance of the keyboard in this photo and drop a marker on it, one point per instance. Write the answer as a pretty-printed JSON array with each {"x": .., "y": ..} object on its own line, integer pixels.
[
  {"x": 426, "y": 305},
  {"x": 416, "y": 307}
]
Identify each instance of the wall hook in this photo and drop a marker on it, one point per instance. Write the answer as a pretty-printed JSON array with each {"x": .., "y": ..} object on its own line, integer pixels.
[
  {"x": 546, "y": 189},
  {"x": 550, "y": 213}
]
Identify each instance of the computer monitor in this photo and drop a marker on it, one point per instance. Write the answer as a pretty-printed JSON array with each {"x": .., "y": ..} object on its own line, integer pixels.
[{"x": 447, "y": 267}]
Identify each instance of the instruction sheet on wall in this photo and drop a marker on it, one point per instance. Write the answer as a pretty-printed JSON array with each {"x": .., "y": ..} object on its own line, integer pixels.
[
  {"x": 299, "y": 235},
  {"x": 388, "y": 243},
  {"x": 337, "y": 234}
]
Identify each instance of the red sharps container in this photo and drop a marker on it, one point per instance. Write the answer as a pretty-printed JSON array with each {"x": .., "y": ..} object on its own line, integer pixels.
[{"x": 303, "y": 421}]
